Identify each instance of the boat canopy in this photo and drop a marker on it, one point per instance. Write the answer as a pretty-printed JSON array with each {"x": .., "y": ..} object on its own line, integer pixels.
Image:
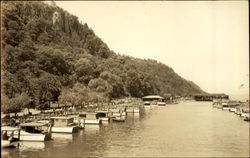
[
  {"x": 91, "y": 115},
  {"x": 102, "y": 112},
  {"x": 8, "y": 128},
  {"x": 62, "y": 118},
  {"x": 33, "y": 124},
  {"x": 152, "y": 97}
]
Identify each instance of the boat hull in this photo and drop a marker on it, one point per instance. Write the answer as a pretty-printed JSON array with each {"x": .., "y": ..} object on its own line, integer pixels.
[
  {"x": 95, "y": 122},
  {"x": 34, "y": 137},
  {"x": 105, "y": 119},
  {"x": 71, "y": 129},
  {"x": 8, "y": 143}
]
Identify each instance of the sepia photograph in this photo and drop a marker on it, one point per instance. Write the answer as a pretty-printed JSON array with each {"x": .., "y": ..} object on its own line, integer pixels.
[{"x": 117, "y": 79}]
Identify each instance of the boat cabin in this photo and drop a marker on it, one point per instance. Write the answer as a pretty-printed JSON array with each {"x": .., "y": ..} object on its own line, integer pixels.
[
  {"x": 146, "y": 103},
  {"x": 91, "y": 116},
  {"x": 82, "y": 114},
  {"x": 62, "y": 121},
  {"x": 102, "y": 114},
  {"x": 34, "y": 127},
  {"x": 153, "y": 99}
]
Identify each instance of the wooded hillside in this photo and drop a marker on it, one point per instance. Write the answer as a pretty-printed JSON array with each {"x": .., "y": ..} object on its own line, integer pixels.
[{"x": 47, "y": 54}]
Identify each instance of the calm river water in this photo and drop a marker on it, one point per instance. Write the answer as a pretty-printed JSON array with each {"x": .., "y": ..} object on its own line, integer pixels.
[{"x": 185, "y": 129}]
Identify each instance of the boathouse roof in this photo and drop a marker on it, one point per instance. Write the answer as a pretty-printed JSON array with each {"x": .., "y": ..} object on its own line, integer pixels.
[
  {"x": 152, "y": 97},
  {"x": 211, "y": 94},
  {"x": 8, "y": 128}
]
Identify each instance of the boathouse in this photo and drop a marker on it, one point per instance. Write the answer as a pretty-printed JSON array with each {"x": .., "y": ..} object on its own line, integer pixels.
[
  {"x": 152, "y": 98},
  {"x": 209, "y": 97}
]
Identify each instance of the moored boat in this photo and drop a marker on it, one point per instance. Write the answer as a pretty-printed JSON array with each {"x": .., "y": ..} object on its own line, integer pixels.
[
  {"x": 147, "y": 104},
  {"x": 34, "y": 131},
  {"x": 104, "y": 116},
  {"x": 161, "y": 103},
  {"x": 7, "y": 135},
  {"x": 119, "y": 119},
  {"x": 91, "y": 118},
  {"x": 232, "y": 109},
  {"x": 63, "y": 124},
  {"x": 224, "y": 106}
]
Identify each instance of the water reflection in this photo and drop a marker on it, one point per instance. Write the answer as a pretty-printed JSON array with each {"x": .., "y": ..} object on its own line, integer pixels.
[
  {"x": 60, "y": 139},
  {"x": 91, "y": 129},
  {"x": 31, "y": 146}
]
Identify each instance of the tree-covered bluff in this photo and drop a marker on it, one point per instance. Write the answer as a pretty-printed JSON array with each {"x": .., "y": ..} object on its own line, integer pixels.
[{"x": 47, "y": 54}]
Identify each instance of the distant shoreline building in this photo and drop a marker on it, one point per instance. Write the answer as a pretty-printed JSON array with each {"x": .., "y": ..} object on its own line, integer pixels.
[
  {"x": 152, "y": 98},
  {"x": 210, "y": 97}
]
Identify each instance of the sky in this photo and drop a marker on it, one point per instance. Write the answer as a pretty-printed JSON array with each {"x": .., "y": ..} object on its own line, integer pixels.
[{"x": 203, "y": 41}]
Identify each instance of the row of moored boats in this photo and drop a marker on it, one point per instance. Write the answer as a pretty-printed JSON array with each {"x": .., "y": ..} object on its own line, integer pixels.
[
  {"x": 236, "y": 107},
  {"x": 39, "y": 130}
]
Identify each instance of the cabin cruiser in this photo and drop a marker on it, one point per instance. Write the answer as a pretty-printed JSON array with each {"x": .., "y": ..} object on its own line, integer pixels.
[
  {"x": 116, "y": 112},
  {"x": 225, "y": 106},
  {"x": 147, "y": 104},
  {"x": 7, "y": 135},
  {"x": 34, "y": 131},
  {"x": 161, "y": 104},
  {"x": 92, "y": 118},
  {"x": 232, "y": 109},
  {"x": 63, "y": 124},
  {"x": 103, "y": 115}
]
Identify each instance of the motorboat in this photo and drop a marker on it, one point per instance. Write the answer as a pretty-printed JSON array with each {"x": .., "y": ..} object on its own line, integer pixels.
[
  {"x": 8, "y": 139},
  {"x": 34, "y": 131},
  {"x": 104, "y": 116},
  {"x": 119, "y": 119},
  {"x": 232, "y": 109},
  {"x": 161, "y": 104},
  {"x": 64, "y": 124},
  {"x": 92, "y": 118},
  {"x": 147, "y": 104},
  {"x": 225, "y": 106}
]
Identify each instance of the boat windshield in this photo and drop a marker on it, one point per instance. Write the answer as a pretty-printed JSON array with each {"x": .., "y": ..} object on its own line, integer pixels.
[{"x": 32, "y": 129}]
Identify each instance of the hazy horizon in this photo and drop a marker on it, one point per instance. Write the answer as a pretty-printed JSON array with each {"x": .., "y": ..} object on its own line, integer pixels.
[{"x": 203, "y": 41}]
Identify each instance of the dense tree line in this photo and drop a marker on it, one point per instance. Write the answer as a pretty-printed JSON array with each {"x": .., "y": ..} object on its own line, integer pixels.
[{"x": 49, "y": 55}]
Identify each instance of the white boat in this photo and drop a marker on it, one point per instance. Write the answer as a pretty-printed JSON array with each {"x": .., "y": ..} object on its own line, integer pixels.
[
  {"x": 119, "y": 119},
  {"x": 232, "y": 109},
  {"x": 123, "y": 113},
  {"x": 64, "y": 125},
  {"x": 104, "y": 116},
  {"x": 246, "y": 118},
  {"x": 161, "y": 104},
  {"x": 7, "y": 135},
  {"x": 225, "y": 108},
  {"x": 147, "y": 104},
  {"x": 33, "y": 131},
  {"x": 244, "y": 114},
  {"x": 91, "y": 118},
  {"x": 116, "y": 112},
  {"x": 81, "y": 120}
]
